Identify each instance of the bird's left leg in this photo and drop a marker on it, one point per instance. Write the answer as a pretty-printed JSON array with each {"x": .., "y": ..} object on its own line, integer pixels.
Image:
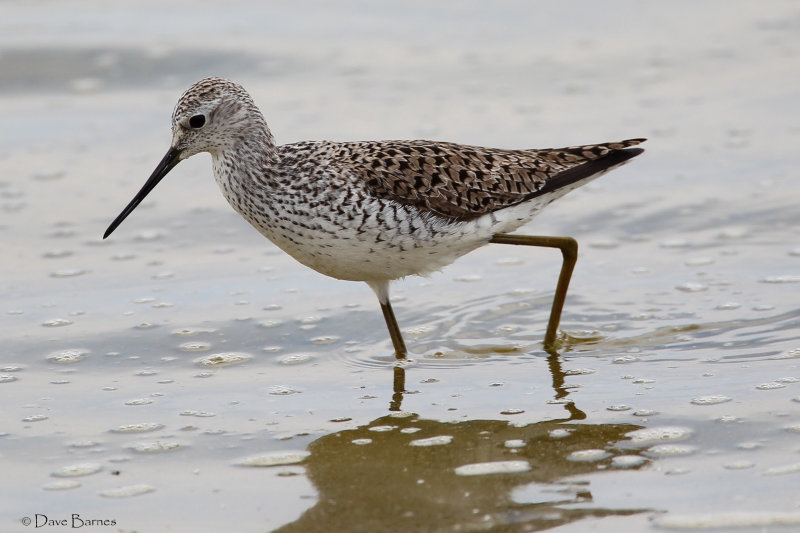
[
  {"x": 381, "y": 289},
  {"x": 569, "y": 253}
]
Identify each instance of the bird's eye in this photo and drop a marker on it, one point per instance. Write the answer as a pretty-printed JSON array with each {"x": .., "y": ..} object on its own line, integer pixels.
[{"x": 197, "y": 121}]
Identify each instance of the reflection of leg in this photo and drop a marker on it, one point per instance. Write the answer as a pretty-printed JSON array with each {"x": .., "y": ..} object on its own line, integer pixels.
[
  {"x": 381, "y": 289},
  {"x": 399, "y": 388},
  {"x": 554, "y": 364},
  {"x": 569, "y": 252}
]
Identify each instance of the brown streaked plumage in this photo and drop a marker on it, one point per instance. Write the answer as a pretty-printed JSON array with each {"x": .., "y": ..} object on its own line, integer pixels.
[{"x": 376, "y": 211}]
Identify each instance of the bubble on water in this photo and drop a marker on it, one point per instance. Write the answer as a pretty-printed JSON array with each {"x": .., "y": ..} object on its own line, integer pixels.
[
  {"x": 439, "y": 440},
  {"x": 514, "y": 443},
  {"x": 142, "y": 427},
  {"x": 788, "y": 379},
  {"x": 68, "y": 356},
  {"x": 738, "y": 465},
  {"x": 560, "y": 433},
  {"x": 57, "y": 253},
  {"x": 618, "y": 407},
  {"x": 781, "y": 470},
  {"x": 61, "y": 484},
  {"x": 77, "y": 470},
  {"x": 223, "y": 359},
  {"x": 580, "y": 372},
  {"x": 792, "y": 428},
  {"x": 650, "y": 436},
  {"x": 140, "y": 401},
  {"x": 410, "y": 430},
  {"x": 189, "y": 332},
  {"x": 324, "y": 339},
  {"x": 728, "y": 306},
  {"x": 674, "y": 243},
  {"x": 468, "y": 278},
  {"x": 382, "y": 429},
  {"x": 361, "y": 442},
  {"x": 282, "y": 390},
  {"x": 7, "y": 378},
  {"x": 710, "y": 400},
  {"x": 199, "y": 414},
  {"x": 340, "y": 419},
  {"x": 197, "y": 346},
  {"x": 588, "y": 456},
  {"x": 272, "y": 349},
  {"x": 624, "y": 359},
  {"x": 35, "y": 418},
  {"x": 750, "y": 445},
  {"x": 154, "y": 447},
  {"x": 295, "y": 359},
  {"x": 627, "y": 461},
  {"x": 670, "y": 450},
  {"x": 727, "y": 519},
  {"x": 128, "y": 491},
  {"x": 699, "y": 261},
  {"x": 57, "y": 323},
  {"x": 772, "y": 385},
  {"x": 691, "y": 286},
  {"x": 781, "y": 279},
  {"x": 68, "y": 273},
  {"x": 83, "y": 444},
  {"x": 280, "y": 458},
  {"x": 270, "y": 323},
  {"x": 512, "y": 411},
  {"x": 495, "y": 467},
  {"x": 645, "y": 412}
]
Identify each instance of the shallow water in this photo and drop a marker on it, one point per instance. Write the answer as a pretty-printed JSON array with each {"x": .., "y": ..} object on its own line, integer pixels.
[{"x": 185, "y": 374}]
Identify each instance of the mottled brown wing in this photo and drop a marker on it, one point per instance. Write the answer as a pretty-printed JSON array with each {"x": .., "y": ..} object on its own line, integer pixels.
[{"x": 462, "y": 182}]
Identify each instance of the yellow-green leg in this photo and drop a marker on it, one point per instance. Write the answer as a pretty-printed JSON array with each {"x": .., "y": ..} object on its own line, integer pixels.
[{"x": 569, "y": 252}]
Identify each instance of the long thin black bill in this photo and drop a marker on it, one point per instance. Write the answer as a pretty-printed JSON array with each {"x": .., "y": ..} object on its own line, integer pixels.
[{"x": 168, "y": 163}]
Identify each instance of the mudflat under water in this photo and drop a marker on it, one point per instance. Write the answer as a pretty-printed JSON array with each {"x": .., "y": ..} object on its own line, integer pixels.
[{"x": 187, "y": 375}]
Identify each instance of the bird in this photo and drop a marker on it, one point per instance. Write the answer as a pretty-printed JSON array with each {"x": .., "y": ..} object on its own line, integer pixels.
[{"x": 377, "y": 211}]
